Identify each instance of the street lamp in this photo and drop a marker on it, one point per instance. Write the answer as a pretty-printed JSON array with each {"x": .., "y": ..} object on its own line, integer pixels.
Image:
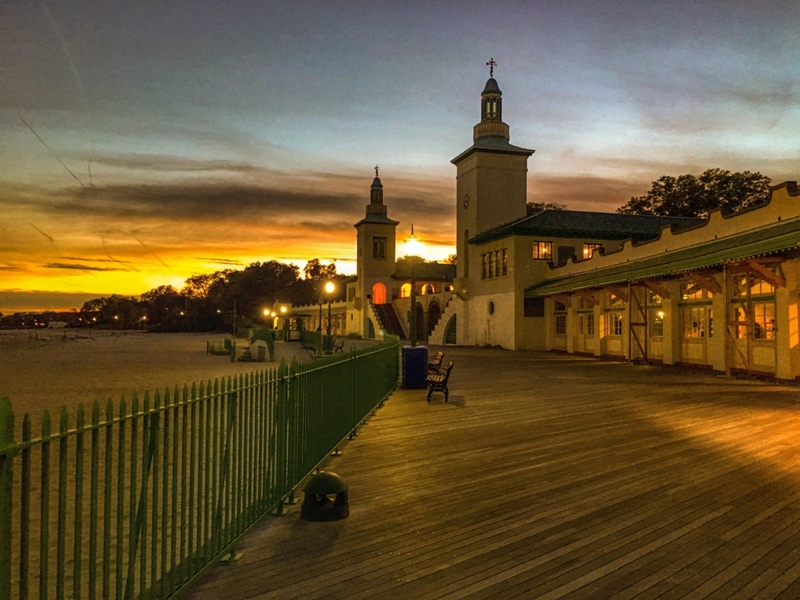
[
  {"x": 412, "y": 248},
  {"x": 330, "y": 287}
]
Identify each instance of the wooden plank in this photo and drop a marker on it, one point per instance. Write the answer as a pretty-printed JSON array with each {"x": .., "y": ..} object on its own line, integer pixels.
[{"x": 558, "y": 475}]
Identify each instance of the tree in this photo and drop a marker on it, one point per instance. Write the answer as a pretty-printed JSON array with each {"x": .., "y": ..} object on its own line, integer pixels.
[
  {"x": 198, "y": 286},
  {"x": 166, "y": 309},
  {"x": 695, "y": 196},
  {"x": 451, "y": 259},
  {"x": 315, "y": 270},
  {"x": 255, "y": 288},
  {"x": 115, "y": 311},
  {"x": 535, "y": 207}
]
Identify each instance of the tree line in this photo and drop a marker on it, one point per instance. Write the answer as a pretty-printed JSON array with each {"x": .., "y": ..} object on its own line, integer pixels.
[{"x": 206, "y": 302}]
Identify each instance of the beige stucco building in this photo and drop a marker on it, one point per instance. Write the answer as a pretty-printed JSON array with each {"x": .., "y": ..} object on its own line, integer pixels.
[{"x": 719, "y": 293}]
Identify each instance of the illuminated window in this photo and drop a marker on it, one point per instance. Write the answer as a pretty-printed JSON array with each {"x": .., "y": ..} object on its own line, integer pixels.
[
  {"x": 497, "y": 263},
  {"x": 590, "y": 249},
  {"x": 505, "y": 262},
  {"x": 694, "y": 321},
  {"x": 763, "y": 321},
  {"x": 757, "y": 286},
  {"x": 490, "y": 261},
  {"x": 379, "y": 248},
  {"x": 543, "y": 250},
  {"x": 405, "y": 290},
  {"x": 693, "y": 291},
  {"x": 657, "y": 323},
  {"x": 483, "y": 266},
  {"x": 613, "y": 323}
]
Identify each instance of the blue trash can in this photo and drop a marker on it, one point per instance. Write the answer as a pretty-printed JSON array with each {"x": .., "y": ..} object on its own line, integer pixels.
[{"x": 415, "y": 367}]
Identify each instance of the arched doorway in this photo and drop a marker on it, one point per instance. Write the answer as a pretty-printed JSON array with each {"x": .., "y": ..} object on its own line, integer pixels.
[
  {"x": 450, "y": 331},
  {"x": 379, "y": 293},
  {"x": 434, "y": 312},
  {"x": 422, "y": 328}
]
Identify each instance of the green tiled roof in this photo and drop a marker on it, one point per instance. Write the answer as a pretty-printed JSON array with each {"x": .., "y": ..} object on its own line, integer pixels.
[
  {"x": 757, "y": 242},
  {"x": 586, "y": 225}
]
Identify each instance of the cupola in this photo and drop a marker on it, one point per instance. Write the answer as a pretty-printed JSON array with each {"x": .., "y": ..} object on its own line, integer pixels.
[{"x": 491, "y": 110}]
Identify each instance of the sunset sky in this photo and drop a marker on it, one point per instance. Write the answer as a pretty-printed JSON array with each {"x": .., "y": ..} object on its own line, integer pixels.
[{"x": 197, "y": 136}]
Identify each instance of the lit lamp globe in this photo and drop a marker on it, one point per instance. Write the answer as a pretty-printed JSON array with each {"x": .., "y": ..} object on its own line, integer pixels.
[{"x": 329, "y": 288}]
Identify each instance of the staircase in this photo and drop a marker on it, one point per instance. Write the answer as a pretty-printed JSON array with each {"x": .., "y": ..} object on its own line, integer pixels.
[
  {"x": 388, "y": 319},
  {"x": 437, "y": 335}
]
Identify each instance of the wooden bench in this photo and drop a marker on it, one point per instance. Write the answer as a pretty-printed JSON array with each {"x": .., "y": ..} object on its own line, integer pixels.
[
  {"x": 437, "y": 382},
  {"x": 436, "y": 363},
  {"x": 338, "y": 346}
]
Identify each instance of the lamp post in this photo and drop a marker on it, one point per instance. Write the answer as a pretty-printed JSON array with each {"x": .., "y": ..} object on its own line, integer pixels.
[
  {"x": 330, "y": 287},
  {"x": 412, "y": 248}
]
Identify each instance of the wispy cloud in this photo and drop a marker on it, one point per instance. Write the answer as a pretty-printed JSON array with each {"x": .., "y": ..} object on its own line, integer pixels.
[
  {"x": 167, "y": 163},
  {"x": 78, "y": 267},
  {"x": 88, "y": 259},
  {"x": 220, "y": 261}
]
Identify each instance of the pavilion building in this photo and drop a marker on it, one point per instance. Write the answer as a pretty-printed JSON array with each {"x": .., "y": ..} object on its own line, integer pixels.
[{"x": 721, "y": 292}]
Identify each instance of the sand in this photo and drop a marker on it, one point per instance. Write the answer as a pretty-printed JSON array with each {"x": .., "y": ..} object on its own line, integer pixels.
[{"x": 48, "y": 369}]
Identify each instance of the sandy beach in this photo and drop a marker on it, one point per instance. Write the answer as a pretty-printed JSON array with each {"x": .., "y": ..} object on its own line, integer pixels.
[{"x": 48, "y": 369}]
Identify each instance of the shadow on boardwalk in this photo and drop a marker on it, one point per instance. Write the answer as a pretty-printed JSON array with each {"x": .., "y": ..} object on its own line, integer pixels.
[{"x": 550, "y": 476}]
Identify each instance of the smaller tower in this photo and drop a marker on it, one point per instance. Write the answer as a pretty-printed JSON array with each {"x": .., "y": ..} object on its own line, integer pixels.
[{"x": 375, "y": 259}]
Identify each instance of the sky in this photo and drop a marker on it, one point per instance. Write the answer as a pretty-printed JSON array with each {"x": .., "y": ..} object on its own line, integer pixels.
[{"x": 145, "y": 142}]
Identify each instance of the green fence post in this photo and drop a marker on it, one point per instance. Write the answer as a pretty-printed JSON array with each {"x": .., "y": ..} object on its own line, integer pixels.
[{"x": 6, "y": 479}]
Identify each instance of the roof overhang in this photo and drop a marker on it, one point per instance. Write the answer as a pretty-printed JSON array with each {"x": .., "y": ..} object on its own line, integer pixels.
[{"x": 772, "y": 239}]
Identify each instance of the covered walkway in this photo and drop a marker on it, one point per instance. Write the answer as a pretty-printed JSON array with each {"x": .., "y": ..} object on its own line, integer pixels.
[{"x": 551, "y": 476}]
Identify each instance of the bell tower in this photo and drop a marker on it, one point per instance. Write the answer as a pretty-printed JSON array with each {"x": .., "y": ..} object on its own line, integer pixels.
[
  {"x": 375, "y": 260},
  {"x": 491, "y": 177}
]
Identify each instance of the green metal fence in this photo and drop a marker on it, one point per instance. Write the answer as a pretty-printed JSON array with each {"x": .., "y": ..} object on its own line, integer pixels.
[{"x": 135, "y": 501}]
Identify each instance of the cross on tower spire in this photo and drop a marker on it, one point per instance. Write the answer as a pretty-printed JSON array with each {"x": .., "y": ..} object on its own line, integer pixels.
[{"x": 491, "y": 64}]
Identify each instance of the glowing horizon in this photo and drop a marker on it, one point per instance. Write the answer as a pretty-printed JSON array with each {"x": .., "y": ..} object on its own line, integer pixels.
[{"x": 143, "y": 144}]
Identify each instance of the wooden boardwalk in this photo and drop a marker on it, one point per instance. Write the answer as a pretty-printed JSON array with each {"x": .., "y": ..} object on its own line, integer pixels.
[{"x": 548, "y": 476}]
